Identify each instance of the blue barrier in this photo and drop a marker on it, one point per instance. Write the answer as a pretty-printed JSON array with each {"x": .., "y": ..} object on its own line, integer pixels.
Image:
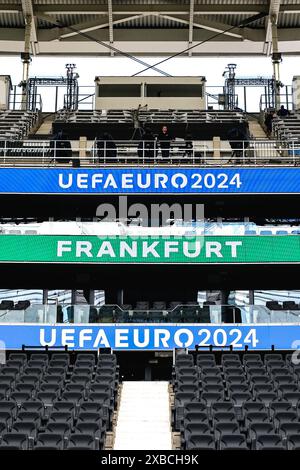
[
  {"x": 150, "y": 181},
  {"x": 150, "y": 337}
]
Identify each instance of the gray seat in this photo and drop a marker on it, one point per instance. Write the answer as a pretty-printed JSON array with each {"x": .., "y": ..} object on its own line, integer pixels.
[
  {"x": 25, "y": 427},
  {"x": 224, "y": 417},
  {"x": 61, "y": 417},
  {"x": 257, "y": 429},
  {"x": 203, "y": 441},
  {"x": 82, "y": 442},
  {"x": 49, "y": 441},
  {"x": 90, "y": 428},
  {"x": 288, "y": 429},
  {"x": 195, "y": 417},
  {"x": 233, "y": 442},
  {"x": 269, "y": 442},
  {"x": 14, "y": 439},
  {"x": 195, "y": 429},
  {"x": 58, "y": 428},
  {"x": 293, "y": 442}
]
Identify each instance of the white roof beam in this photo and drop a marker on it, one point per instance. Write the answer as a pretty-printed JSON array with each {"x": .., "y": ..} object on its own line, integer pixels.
[
  {"x": 88, "y": 27},
  {"x": 208, "y": 25},
  {"x": 111, "y": 25},
  {"x": 191, "y": 25},
  {"x": 29, "y": 17},
  {"x": 274, "y": 8}
]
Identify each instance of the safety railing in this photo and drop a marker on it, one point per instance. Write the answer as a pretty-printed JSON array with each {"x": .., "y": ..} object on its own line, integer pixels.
[
  {"x": 33, "y": 314},
  {"x": 190, "y": 313},
  {"x": 50, "y": 153},
  {"x": 17, "y": 102},
  {"x": 285, "y": 99}
]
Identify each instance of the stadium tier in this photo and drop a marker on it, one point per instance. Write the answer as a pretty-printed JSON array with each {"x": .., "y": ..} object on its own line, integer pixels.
[
  {"x": 149, "y": 229},
  {"x": 57, "y": 401},
  {"x": 243, "y": 402}
]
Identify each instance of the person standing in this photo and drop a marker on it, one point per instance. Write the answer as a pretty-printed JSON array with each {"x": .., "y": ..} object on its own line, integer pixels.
[
  {"x": 106, "y": 148},
  {"x": 283, "y": 112},
  {"x": 147, "y": 146},
  {"x": 268, "y": 123},
  {"x": 164, "y": 140}
]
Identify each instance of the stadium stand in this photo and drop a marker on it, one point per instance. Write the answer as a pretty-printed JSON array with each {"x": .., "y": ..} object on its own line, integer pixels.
[
  {"x": 115, "y": 361},
  {"x": 200, "y": 125},
  {"x": 16, "y": 125},
  {"x": 57, "y": 401},
  {"x": 245, "y": 402},
  {"x": 287, "y": 128}
]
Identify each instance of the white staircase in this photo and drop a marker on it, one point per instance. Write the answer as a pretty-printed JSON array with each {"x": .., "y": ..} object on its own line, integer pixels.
[
  {"x": 256, "y": 130},
  {"x": 144, "y": 417},
  {"x": 45, "y": 127}
]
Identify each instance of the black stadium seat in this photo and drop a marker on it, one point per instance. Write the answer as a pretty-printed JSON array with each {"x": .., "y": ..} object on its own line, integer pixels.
[
  {"x": 202, "y": 441},
  {"x": 58, "y": 428},
  {"x": 6, "y": 305},
  {"x": 61, "y": 417},
  {"x": 288, "y": 429},
  {"x": 226, "y": 428},
  {"x": 49, "y": 441},
  {"x": 211, "y": 397},
  {"x": 279, "y": 406},
  {"x": 283, "y": 417},
  {"x": 25, "y": 427},
  {"x": 192, "y": 429},
  {"x": 222, "y": 407},
  {"x": 33, "y": 406},
  {"x": 30, "y": 416},
  {"x": 293, "y": 442},
  {"x": 89, "y": 428},
  {"x": 269, "y": 442},
  {"x": 257, "y": 429},
  {"x": 195, "y": 417},
  {"x": 233, "y": 442},
  {"x": 195, "y": 407},
  {"x": 8, "y": 406},
  {"x": 224, "y": 417},
  {"x": 82, "y": 442},
  {"x": 14, "y": 440}
]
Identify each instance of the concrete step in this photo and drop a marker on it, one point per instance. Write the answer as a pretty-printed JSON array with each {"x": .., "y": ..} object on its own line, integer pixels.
[
  {"x": 45, "y": 128},
  {"x": 143, "y": 421},
  {"x": 256, "y": 130}
]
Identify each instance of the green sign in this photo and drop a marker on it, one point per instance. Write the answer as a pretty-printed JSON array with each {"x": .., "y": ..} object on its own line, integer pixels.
[{"x": 116, "y": 249}]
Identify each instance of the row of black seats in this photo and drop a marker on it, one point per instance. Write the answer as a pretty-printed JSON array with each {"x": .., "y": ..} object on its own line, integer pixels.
[
  {"x": 158, "y": 305},
  {"x": 50, "y": 441},
  {"x": 248, "y": 401},
  {"x": 10, "y": 305},
  {"x": 48, "y": 402},
  {"x": 65, "y": 423},
  {"x": 188, "y": 313},
  {"x": 278, "y": 413},
  {"x": 286, "y": 305},
  {"x": 238, "y": 441},
  {"x": 66, "y": 358},
  {"x": 280, "y": 421},
  {"x": 232, "y": 359}
]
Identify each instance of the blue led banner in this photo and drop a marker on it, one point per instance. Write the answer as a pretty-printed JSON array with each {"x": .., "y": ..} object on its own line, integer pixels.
[
  {"x": 150, "y": 337},
  {"x": 150, "y": 180}
]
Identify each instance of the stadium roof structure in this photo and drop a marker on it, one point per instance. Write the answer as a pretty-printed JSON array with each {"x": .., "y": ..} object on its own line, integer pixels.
[{"x": 149, "y": 27}]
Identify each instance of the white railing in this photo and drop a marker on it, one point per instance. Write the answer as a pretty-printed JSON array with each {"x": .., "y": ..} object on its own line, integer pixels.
[{"x": 106, "y": 153}]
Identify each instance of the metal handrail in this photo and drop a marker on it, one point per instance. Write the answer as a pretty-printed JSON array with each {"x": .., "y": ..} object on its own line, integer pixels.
[
  {"x": 196, "y": 313},
  {"x": 123, "y": 152},
  {"x": 16, "y": 102}
]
